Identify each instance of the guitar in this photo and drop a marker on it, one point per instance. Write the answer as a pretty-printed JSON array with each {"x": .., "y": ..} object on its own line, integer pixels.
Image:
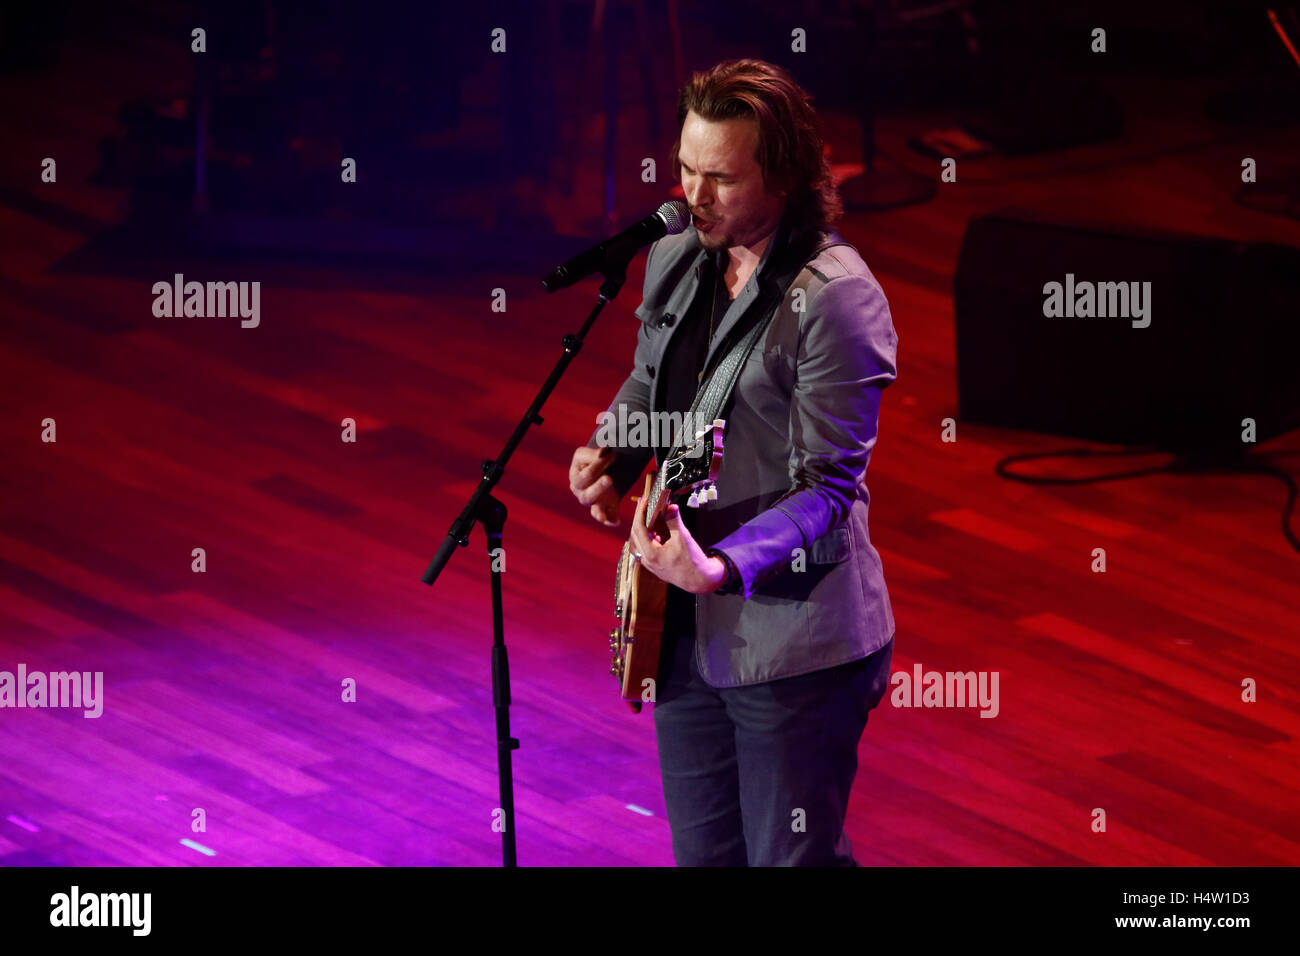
[{"x": 640, "y": 598}]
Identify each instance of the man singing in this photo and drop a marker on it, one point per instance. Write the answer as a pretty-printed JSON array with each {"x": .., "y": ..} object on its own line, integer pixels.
[{"x": 779, "y": 633}]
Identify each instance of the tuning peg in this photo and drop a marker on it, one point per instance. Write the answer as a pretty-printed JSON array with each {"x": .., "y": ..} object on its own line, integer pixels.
[
  {"x": 693, "y": 501},
  {"x": 713, "y": 493}
]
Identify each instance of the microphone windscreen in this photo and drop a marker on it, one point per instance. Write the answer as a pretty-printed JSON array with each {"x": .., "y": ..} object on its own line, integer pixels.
[{"x": 676, "y": 214}]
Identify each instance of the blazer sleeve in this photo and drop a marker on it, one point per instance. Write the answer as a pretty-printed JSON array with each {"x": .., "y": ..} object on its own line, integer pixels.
[
  {"x": 635, "y": 395},
  {"x": 847, "y": 354}
]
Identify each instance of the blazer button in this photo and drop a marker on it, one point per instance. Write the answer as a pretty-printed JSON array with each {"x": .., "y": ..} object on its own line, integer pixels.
[
  {"x": 667, "y": 321},
  {"x": 650, "y": 370}
]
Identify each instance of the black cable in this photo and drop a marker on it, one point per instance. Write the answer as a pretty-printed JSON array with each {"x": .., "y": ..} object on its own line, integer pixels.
[
  {"x": 1258, "y": 199},
  {"x": 1245, "y": 465}
]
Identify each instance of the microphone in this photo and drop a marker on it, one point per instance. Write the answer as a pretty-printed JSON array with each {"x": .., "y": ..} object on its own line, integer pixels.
[{"x": 670, "y": 219}]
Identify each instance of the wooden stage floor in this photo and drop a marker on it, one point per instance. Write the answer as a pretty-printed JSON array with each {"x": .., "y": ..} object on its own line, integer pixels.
[{"x": 222, "y": 690}]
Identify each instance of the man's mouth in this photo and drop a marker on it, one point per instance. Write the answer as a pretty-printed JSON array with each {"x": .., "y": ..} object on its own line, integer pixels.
[{"x": 704, "y": 225}]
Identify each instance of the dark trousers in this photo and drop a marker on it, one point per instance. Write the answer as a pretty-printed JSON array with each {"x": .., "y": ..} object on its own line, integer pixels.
[{"x": 761, "y": 775}]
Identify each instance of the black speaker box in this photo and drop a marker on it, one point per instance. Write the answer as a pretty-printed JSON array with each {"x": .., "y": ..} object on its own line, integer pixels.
[{"x": 1219, "y": 343}]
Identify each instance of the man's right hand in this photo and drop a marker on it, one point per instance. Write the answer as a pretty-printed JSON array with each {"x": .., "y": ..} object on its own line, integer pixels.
[{"x": 591, "y": 486}]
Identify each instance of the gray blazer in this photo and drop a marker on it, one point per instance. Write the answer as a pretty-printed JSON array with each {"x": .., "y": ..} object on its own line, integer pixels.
[{"x": 800, "y": 429}]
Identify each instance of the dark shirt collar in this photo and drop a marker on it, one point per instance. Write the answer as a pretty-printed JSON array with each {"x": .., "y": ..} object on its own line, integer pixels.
[{"x": 718, "y": 257}]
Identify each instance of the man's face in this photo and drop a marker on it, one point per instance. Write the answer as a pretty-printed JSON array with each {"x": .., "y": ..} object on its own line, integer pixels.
[{"x": 724, "y": 183}]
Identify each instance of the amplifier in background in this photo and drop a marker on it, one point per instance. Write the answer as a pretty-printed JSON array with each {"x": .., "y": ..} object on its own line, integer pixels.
[{"x": 1199, "y": 334}]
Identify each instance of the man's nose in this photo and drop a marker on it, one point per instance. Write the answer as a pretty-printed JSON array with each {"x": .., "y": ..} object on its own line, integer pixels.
[{"x": 697, "y": 198}]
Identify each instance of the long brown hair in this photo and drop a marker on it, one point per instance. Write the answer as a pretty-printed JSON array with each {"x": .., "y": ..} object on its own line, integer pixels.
[{"x": 789, "y": 151}]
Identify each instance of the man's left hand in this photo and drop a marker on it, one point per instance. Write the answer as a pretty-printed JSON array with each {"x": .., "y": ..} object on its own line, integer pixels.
[{"x": 679, "y": 560}]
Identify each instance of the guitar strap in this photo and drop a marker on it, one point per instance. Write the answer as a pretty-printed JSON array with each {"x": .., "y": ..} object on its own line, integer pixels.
[{"x": 716, "y": 391}]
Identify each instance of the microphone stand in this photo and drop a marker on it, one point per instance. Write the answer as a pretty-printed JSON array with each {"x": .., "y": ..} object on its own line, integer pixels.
[{"x": 491, "y": 513}]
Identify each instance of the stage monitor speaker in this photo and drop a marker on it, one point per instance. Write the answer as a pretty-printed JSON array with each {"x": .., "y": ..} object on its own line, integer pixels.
[{"x": 1198, "y": 334}]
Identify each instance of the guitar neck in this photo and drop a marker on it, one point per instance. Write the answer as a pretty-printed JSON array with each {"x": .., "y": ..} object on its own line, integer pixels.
[{"x": 656, "y": 496}]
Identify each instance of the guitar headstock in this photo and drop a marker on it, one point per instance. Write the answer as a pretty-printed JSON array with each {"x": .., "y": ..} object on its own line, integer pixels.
[{"x": 696, "y": 468}]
